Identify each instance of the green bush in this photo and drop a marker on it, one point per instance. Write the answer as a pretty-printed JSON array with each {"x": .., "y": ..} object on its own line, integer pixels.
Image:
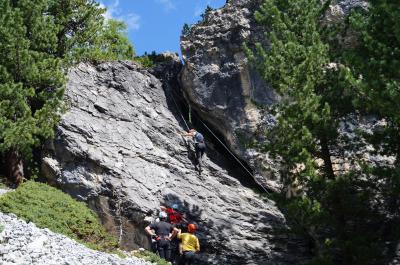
[
  {"x": 50, "y": 208},
  {"x": 150, "y": 257},
  {"x": 145, "y": 61},
  {"x": 148, "y": 60}
]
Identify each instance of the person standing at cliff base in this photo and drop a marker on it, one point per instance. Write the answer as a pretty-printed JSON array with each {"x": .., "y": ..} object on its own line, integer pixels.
[
  {"x": 163, "y": 232},
  {"x": 190, "y": 245},
  {"x": 199, "y": 145}
]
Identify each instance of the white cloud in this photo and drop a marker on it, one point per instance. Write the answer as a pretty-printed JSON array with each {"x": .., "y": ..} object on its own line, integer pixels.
[
  {"x": 112, "y": 9},
  {"x": 168, "y": 5},
  {"x": 131, "y": 19}
]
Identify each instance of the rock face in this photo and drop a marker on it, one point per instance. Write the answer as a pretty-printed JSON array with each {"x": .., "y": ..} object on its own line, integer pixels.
[
  {"x": 221, "y": 85},
  {"x": 118, "y": 148},
  {"x": 23, "y": 243}
]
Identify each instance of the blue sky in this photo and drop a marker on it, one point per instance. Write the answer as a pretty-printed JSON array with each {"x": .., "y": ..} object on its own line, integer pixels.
[{"x": 155, "y": 25}]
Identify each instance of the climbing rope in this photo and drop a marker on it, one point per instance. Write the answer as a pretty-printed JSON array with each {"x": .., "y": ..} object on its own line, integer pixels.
[
  {"x": 178, "y": 109},
  {"x": 235, "y": 157},
  {"x": 190, "y": 113},
  {"x": 219, "y": 140}
]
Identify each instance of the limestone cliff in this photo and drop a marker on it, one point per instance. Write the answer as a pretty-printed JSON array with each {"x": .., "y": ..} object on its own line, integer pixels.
[{"x": 118, "y": 148}]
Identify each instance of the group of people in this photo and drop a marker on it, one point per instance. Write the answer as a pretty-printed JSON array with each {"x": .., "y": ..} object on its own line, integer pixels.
[{"x": 169, "y": 240}]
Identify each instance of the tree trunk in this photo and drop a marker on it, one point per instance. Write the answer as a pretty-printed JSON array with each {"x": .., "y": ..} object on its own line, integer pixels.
[
  {"x": 15, "y": 167},
  {"x": 326, "y": 156}
]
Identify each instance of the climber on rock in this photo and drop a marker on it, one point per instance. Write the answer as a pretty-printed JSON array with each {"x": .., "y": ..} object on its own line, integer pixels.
[
  {"x": 199, "y": 145},
  {"x": 163, "y": 232},
  {"x": 189, "y": 245}
]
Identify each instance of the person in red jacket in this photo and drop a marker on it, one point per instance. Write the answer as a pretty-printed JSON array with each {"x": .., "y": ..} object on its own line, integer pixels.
[
  {"x": 174, "y": 216},
  {"x": 177, "y": 220}
]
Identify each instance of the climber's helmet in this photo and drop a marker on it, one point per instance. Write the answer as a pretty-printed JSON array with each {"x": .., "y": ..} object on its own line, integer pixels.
[
  {"x": 162, "y": 215},
  {"x": 192, "y": 228}
]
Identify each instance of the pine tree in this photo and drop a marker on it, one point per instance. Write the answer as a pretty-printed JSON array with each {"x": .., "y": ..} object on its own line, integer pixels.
[
  {"x": 298, "y": 66},
  {"x": 31, "y": 81},
  {"x": 321, "y": 84},
  {"x": 39, "y": 39},
  {"x": 109, "y": 43},
  {"x": 377, "y": 60},
  {"x": 185, "y": 29},
  {"x": 77, "y": 23}
]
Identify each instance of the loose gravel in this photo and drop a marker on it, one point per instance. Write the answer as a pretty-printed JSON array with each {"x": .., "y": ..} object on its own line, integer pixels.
[{"x": 24, "y": 244}]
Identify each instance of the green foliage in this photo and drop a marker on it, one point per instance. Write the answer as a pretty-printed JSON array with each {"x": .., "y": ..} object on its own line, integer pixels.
[
  {"x": 206, "y": 11},
  {"x": 31, "y": 77},
  {"x": 145, "y": 61},
  {"x": 321, "y": 83},
  {"x": 1, "y": 228},
  {"x": 149, "y": 60},
  {"x": 297, "y": 66},
  {"x": 186, "y": 29},
  {"x": 39, "y": 39},
  {"x": 77, "y": 22},
  {"x": 247, "y": 142},
  {"x": 50, "y": 208},
  {"x": 109, "y": 43},
  {"x": 84, "y": 34},
  {"x": 377, "y": 60},
  {"x": 150, "y": 257}
]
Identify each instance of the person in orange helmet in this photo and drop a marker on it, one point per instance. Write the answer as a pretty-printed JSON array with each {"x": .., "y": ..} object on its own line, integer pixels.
[{"x": 189, "y": 245}]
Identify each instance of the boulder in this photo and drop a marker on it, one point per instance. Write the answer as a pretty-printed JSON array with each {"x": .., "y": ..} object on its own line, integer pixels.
[{"x": 117, "y": 147}]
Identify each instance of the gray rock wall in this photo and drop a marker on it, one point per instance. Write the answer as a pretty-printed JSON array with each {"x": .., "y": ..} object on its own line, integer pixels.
[
  {"x": 118, "y": 148},
  {"x": 221, "y": 85}
]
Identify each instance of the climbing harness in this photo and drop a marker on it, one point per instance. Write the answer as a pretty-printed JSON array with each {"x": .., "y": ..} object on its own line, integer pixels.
[{"x": 216, "y": 137}]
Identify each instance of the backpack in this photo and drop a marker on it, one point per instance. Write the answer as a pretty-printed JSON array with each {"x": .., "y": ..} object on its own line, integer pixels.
[{"x": 198, "y": 138}]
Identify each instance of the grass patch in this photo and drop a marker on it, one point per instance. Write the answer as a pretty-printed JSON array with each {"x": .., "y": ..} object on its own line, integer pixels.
[
  {"x": 50, "y": 208},
  {"x": 150, "y": 257},
  {"x": 3, "y": 181}
]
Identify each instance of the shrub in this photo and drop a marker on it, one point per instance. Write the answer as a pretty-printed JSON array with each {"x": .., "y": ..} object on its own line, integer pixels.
[
  {"x": 186, "y": 29},
  {"x": 150, "y": 257},
  {"x": 50, "y": 208},
  {"x": 148, "y": 60}
]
